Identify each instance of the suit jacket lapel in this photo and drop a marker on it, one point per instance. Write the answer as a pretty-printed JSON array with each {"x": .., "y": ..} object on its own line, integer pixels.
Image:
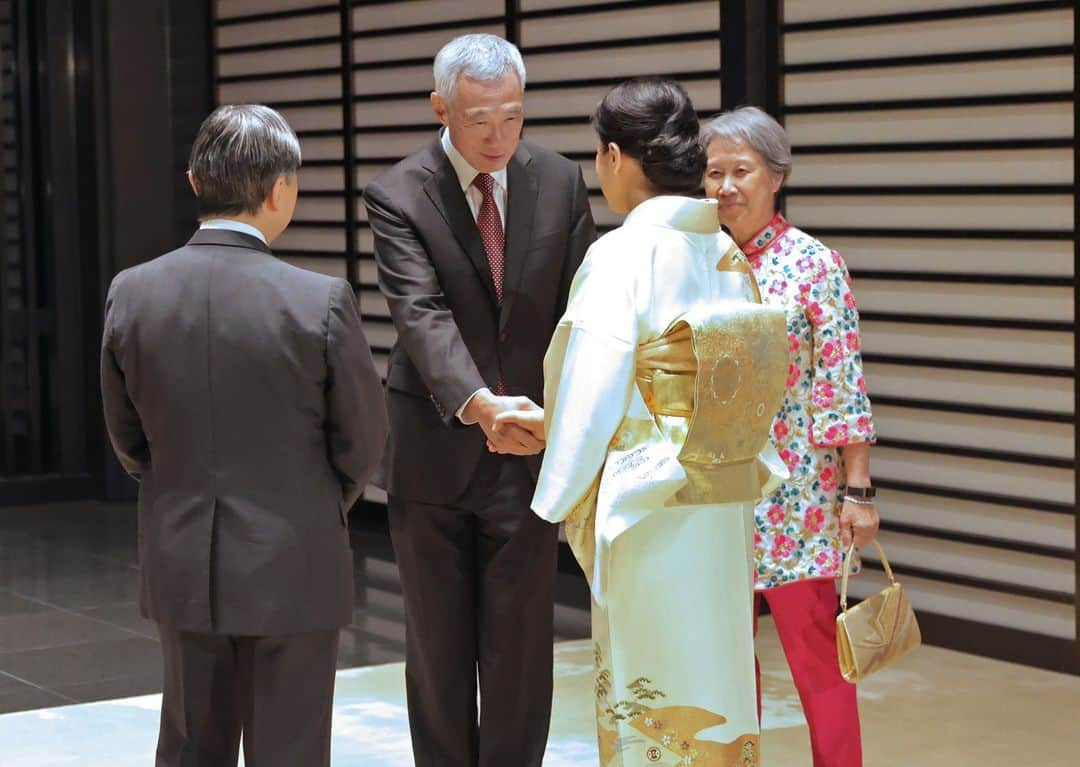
[
  {"x": 522, "y": 192},
  {"x": 444, "y": 191}
]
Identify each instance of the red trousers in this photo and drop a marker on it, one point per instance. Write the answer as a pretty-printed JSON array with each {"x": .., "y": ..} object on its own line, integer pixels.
[{"x": 805, "y": 617}]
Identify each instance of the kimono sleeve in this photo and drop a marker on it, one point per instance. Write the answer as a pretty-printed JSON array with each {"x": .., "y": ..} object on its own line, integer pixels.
[
  {"x": 839, "y": 406},
  {"x": 588, "y": 382}
]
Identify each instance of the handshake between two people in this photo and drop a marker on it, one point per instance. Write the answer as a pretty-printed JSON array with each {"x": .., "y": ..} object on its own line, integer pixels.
[{"x": 513, "y": 425}]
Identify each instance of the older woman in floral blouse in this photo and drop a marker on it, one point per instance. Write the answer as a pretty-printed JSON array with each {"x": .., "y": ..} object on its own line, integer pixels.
[{"x": 823, "y": 430}]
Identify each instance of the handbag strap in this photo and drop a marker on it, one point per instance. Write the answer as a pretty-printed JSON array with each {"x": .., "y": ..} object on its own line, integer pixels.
[{"x": 847, "y": 571}]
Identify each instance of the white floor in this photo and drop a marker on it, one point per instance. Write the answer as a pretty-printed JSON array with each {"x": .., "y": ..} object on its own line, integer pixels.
[{"x": 938, "y": 708}]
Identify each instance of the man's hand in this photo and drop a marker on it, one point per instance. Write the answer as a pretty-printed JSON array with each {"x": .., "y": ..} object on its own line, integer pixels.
[
  {"x": 858, "y": 522},
  {"x": 529, "y": 418},
  {"x": 508, "y": 438}
]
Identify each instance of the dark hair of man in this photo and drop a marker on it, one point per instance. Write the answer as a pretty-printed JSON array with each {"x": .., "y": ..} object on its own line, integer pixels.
[
  {"x": 240, "y": 152},
  {"x": 653, "y": 121}
]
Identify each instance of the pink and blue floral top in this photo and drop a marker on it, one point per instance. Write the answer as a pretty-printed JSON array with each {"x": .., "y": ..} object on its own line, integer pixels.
[{"x": 797, "y": 535}]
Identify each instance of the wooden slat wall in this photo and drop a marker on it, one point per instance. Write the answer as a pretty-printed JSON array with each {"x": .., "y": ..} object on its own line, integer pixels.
[{"x": 934, "y": 147}]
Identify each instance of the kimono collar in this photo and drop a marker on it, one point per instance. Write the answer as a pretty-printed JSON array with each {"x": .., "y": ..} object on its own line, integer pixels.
[
  {"x": 682, "y": 213},
  {"x": 766, "y": 236}
]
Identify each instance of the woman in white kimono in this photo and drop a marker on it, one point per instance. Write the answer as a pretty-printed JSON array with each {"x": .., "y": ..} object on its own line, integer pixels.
[{"x": 660, "y": 386}]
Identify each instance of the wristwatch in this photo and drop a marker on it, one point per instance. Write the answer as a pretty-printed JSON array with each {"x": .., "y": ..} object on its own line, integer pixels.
[{"x": 867, "y": 492}]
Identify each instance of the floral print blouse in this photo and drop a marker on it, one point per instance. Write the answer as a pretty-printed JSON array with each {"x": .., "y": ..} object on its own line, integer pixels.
[{"x": 797, "y": 534}]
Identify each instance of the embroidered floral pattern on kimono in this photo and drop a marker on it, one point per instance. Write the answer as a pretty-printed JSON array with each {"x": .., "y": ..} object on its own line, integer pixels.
[{"x": 797, "y": 534}]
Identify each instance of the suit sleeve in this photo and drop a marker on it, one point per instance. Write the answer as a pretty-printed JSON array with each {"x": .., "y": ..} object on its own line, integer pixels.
[
  {"x": 425, "y": 326},
  {"x": 356, "y": 423},
  {"x": 121, "y": 418},
  {"x": 582, "y": 236}
]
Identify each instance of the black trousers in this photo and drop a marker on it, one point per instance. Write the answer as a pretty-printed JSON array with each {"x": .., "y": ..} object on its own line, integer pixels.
[
  {"x": 478, "y": 581},
  {"x": 277, "y": 692}
]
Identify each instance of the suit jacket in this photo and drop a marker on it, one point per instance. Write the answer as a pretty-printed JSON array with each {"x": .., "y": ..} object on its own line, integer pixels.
[
  {"x": 453, "y": 335},
  {"x": 241, "y": 393}
]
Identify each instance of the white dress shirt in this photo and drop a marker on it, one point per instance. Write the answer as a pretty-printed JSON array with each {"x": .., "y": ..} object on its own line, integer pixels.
[
  {"x": 234, "y": 226},
  {"x": 466, "y": 173}
]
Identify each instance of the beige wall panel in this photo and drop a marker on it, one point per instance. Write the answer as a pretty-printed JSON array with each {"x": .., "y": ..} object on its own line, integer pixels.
[
  {"x": 815, "y": 10},
  {"x": 608, "y": 25},
  {"x": 1004, "y": 211},
  {"x": 965, "y": 300},
  {"x": 365, "y": 240},
  {"x": 1041, "y": 528},
  {"x": 980, "y": 605},
  {"x": 369, "y": 273},
  {"x": 975, "y": 474},
  {"x": 941, "y": 36},
  {"x": 253, "y": 33},
  {"x": 321, "y": 148},
  {"x": 372, "y": 304},
  {"x": 562, "y": 138},
  {"x": 320, "y": 209},
  {"x": 991, "y": 168},
  {"x": 304, "y": 238},
  {"x": 938, "y": 124},
  {"x": 380, "y": 334},
  {"x": 321, "y": 179},
  {"x": 916, "y": 254},
  {"x": 392, "y": 145},
  {"x": 995, "y": 389},
  {"x": 1055, "y": 440},
  {"x": 582, "y": 102},
  {"x": 284, "y": 60},
  {"x": 965, "y": 79},
  {"x": 398, "y": 79},
  {"x": 616, "y": 62},
  {"x": 540, "y": 5},
  {"x": 985, "y": 562},
  {"x": 412, "y": 111},
  {"x": 367, "y": 173},
  {"x": 416, "y": 12},
  {"x": 283, "y": 89},
  {"x": 230, "y": 8},
  {"x": 960, "y": 343},
  {"x": 413, "y": 45},
  {"x": 313, "y": 118},
  {"x": 335, "y": 267}
]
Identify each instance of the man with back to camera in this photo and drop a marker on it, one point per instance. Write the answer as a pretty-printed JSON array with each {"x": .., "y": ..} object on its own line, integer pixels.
[
  {"x": 477, "y": 238},
  {"x": 241, "y": 393}
]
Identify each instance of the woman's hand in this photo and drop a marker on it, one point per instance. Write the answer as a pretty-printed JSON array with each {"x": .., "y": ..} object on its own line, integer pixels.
[
  {"x": 859, "y": 523},
  {"x": 529, "y": 417}
]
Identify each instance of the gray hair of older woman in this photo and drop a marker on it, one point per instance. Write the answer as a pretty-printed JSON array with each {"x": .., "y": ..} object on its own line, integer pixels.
[
  {"x": 759, "y": 130},
  {"x": 481, "y": 57}
]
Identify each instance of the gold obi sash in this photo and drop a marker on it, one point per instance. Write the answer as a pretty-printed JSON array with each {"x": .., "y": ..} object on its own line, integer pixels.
[{"x": 714, "y": 382}]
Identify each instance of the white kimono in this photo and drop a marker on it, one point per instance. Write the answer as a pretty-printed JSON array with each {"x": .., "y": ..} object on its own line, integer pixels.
[{"x": 672, "y": 582}]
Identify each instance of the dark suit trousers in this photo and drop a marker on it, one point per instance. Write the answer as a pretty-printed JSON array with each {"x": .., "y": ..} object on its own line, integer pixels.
[
  {"x": 478, "y": 581},
  {"x": 277, "y": 691}
]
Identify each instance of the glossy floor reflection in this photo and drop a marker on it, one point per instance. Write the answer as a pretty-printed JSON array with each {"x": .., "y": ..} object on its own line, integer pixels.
[
  {"x": 939, "y": 708},
  {"x": 70, "y": 629}
]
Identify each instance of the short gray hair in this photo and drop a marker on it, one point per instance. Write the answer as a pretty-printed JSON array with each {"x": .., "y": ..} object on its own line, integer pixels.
[
  {"x": 757, "y": 128},
  {"x": 480, "y": 57},
  {"x": 241, "y": 150}
]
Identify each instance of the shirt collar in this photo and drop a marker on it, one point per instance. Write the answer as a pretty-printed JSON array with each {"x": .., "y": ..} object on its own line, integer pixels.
[
  {"x": 766, "y": 236},
  {"x": 466, "y": 173},
  {"x": 234, "y": 226}
]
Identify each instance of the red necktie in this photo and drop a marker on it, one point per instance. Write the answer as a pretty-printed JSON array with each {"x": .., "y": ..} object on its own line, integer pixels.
[
  {"x": 491, "y": 230},
  {"x": 491, "y": 234}
]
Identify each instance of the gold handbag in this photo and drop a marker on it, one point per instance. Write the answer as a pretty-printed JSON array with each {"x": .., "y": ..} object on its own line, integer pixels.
[{"x": 878, "y": 630}]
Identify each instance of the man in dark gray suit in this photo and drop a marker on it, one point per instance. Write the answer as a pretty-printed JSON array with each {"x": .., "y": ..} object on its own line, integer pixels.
[
  {"x": 477, "y": 237},
  {"x": 241, "y": 393}
]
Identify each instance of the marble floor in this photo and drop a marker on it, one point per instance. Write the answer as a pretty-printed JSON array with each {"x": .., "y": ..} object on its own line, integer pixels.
[
  {"x": 80, "y": 671},
  {"x": 938, "y": 709}
]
